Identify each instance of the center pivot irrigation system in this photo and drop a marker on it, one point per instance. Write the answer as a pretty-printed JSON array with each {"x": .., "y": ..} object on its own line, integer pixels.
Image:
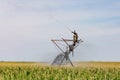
[{"x": 71, "y": 44}]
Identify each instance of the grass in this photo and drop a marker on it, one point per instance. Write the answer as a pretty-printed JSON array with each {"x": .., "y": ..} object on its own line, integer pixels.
[{"x": 43, "y": 71}]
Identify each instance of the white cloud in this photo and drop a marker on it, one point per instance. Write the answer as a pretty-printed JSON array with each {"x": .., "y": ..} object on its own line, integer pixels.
[{"x": 40, "y": 17}]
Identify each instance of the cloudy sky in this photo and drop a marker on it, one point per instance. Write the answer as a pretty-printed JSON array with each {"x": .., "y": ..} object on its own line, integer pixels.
[{"x": 27, "y": 26}]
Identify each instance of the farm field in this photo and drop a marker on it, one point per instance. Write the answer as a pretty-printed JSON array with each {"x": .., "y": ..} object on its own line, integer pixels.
[{"x": 43, "y": 71}]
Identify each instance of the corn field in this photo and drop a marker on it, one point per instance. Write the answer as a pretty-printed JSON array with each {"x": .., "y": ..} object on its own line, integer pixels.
[{"x": 24, "y": 71}]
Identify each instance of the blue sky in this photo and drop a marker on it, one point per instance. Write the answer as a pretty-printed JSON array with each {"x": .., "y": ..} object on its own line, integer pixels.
[{"x": 27, "y": 26}]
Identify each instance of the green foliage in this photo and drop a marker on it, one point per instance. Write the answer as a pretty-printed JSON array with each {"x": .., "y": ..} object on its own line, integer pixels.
[{"x": 27, "y": 72}]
